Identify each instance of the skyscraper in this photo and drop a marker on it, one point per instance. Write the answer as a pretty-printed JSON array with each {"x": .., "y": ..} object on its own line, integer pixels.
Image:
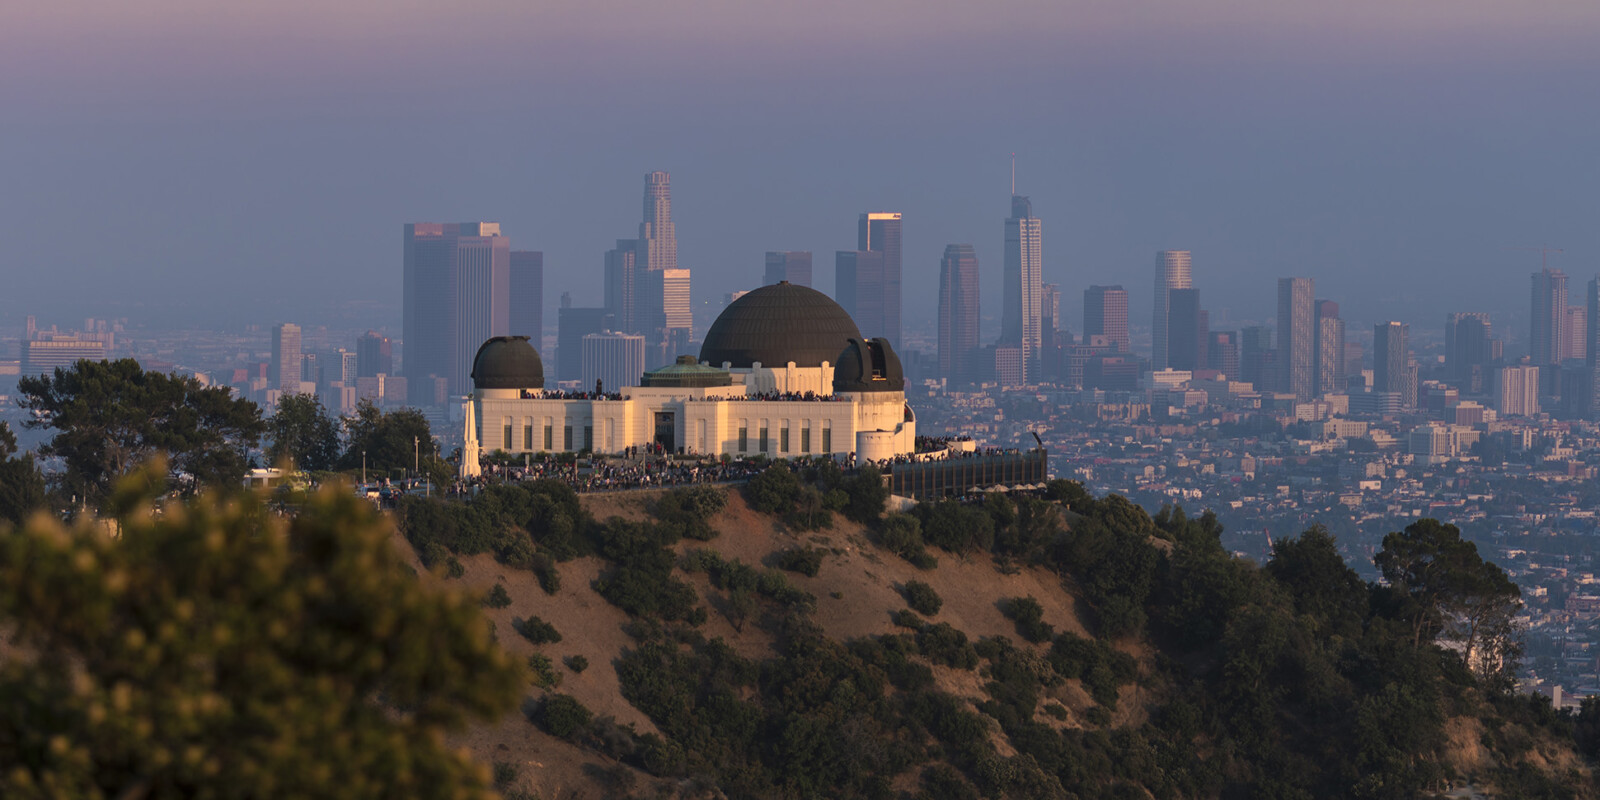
[
  {"x": 1329, "y": 347},
  {"x": 879, "y": 232},
  {"x": 793, "y": 266},
  {"x": 646, "y": 291},
  {"x": 1549, "y": 311},
  {"x": 527, "y": 295},
  {"x": 1296, "y": 337},
  {"x": 1391, "y": 361},
  {"x": 622, "y": 282},
  {"x": 374, "y": 355},
  {"x": 613, "y": 359},
  {"x": 958, "y": 313},
  {"x": 1222, "y": 354},
  {"x": 1257, "y": 358},
  {"x": 1050, "y": 314},
  {"x": 858, "y": 286},
  {"x": 657, "y": 233},
  {"x": 457, "y": 296},
  {"x": 1172, "y": 272},
  {"x": 286, "y": 373},
  {"x": 1574, "y": 329},
  {"x": 572, "y": 324},
  {"x": 1105, "y": 313},
  {"x": 1024, "y": 274},
  {"x": 1186, "y": 330},
  {"x": 1466, "y": 349}
]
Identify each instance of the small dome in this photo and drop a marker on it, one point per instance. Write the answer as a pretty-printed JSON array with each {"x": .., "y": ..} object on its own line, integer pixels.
[
  {"x": 777, "y": 324},
  {"x": 687, "y": 374},
  {"x": 507, "y": 362},
  {"x": 868, "y": 366}
]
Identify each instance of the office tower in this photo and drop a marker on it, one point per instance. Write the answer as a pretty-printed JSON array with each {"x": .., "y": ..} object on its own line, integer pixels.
[
  {"x": 1186, "y": 330},
  {"x": 1549, "y": 311},
  {"x": 621, "y": 282},
  {"x": 657, "y": 234},
  {"x": 1466, "y": 348},
  {"x": 858, "y": 287},
  {"x": 457, "y": 296},
  {"x": 958, "y": 313},
  {"x": 793, "y": 266},
  {"x": 527, "y": 295},
  {"x": 572, "y": 324},
  {"x": 1172, "y": 272},
  {"x": 1222, "y": 354},
  {"x": 613, "y": 359},
  {"x": 1517, "y": 390},
  {"x": 1329, "y": 347},
  {"x": 44, "y": 352},
  {"x": 374, "y": 355},
  {"x": 30, "y": 327},
  {"x": 1391, "y": 362},
  {"x": 1257, "y": 358},
  {"x": 1296, "y": 337},
  {"x": 1574, "y": 328},
  {"x": 286, "y": 368},
  {"x": 1105, "y": 313},
  {"x": 879, "y": 232},
  {"x": 1050, "y": 315},
  {"x": 1008, "y": 365},
  {"x": 346, "y": 367},
  {"x": 1024, "y": 273}
]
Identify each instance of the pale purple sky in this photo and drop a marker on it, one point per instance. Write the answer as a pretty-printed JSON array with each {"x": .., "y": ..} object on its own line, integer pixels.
[{"x": 254, "y": 161}]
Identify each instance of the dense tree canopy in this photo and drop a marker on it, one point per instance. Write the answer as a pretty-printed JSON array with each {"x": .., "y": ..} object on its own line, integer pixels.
[
  {"x": 302, "y": 433},
  {"x": 390, "y": 441},
  {"x": 110, "y": 416},
  {"x": 218, "y": 650},
  {"x": 21, "y": 487}
]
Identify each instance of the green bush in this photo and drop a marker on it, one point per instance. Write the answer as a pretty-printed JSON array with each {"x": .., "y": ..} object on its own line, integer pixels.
[
  {"x": 505, "y": 774},
  {"x": 544, "y": 671},
  {"x": 774, "y": 490},
  {"x": 577, "y": 663},
  {"x": 688, "y": 511},
  {"x": 1029, "y": 617},
  {"x": 536, "y": 630},
  {"x": 805, "y": 560},
  {"x": 498, "y": 597},
  {"x": 921, "y": 597},
  {"x": 563, "y": 716}
]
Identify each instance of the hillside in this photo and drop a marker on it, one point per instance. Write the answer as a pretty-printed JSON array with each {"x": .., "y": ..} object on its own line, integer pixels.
[{"x": 1161, "y": 667}]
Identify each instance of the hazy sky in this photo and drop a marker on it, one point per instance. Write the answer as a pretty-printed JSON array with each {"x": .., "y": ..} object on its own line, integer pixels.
[{"x": 255, "y": 161}]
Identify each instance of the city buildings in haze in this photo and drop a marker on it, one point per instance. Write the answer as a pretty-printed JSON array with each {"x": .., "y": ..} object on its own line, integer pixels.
[
  {"x": 1296, "y": 337},
  {"x": 879, "y": 232},
  {"x": 1468, "y": 349},
  {"x": 286, "y": 373},
  {"x": 1105, "y": 313},
  {"x": 1548, "y": 316},
  {"x": 374, "y": 355},
  {"x": 793, "y": 266},
  {"x": 858, "y": 286},
  {"x": 1172, "y": 272},
  {"x": 1392, "y": 372},
  {"x": 958, "y": 313},
  {"x": 572, "y": 324},
  {"x": 645, "y": 290},
  {"x": 612, "y": 359},
  {"x": 1024, "y": 280},
  {"x": 1329, "y": 347},
  {"x": 1187, "y": 335},
  {"x": 457, "y": 294},
  {"x": 1222, "y": 353},
  {"x": 1517, "y": 390},
  {"x": 1257, "y": 358},
  {"x": 527, "y": 294}
]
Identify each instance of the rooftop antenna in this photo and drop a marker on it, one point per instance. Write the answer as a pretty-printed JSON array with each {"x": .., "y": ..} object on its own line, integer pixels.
[{"x": 1013, "y": 173}]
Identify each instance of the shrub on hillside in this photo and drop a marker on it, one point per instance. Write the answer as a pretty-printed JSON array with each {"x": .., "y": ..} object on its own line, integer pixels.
[
  {"x": 563, "y": 716},
  {"x": 1029, "y": 617},
  {"x": 498, "y": 597},
  {"x": 687, "y": 512},
  {"x": 805, "y": 560},
  {"x": 536, "y": 630},
  {"x": 774, "y": 490},
  {"x": 921, "y": 597},
  {"x": 901, "y": 534}
]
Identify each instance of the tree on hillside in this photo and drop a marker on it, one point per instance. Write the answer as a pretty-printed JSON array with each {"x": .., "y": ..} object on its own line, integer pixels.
[
  {"x": 303, "y": 433},
  {"x": 390, "y": 440},
  {"x": 1446, "y": 590},
  {"x": 226, "y": 652},
  {"x": 21, "y": 486},
  {"x": 111, "y": 416}
]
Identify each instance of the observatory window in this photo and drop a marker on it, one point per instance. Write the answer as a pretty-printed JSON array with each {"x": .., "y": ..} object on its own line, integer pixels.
[
  {"x": 744, "y": 439},
  {"x": 783, "y": 439},
  {"x": 566, "y": 439},
  {"x": 549, "y": 436},
  {"x": 527, "y": 434},
  {"x": 762, "y": 442},
  {"x": 508, "y": 441},
  {"x": 805, "y": 439}
]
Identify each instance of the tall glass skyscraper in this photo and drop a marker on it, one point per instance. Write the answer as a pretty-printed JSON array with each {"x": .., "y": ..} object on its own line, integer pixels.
[
  {"x": 1297, "y": 337},
  {"x": 457, "y": 295},
  {"x": 1024, "y": 275},
  {"x": 958, "y": 313},
  {"x": 879, "y": 232},
  {"x": 1549, "y": 311},
  {"x": 1105, "y": 313},
  {"x": 1172, "y": 272}
]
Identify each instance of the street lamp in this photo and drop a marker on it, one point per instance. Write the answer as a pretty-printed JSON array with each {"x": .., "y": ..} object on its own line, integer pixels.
[{"x": 363, "y": 468}]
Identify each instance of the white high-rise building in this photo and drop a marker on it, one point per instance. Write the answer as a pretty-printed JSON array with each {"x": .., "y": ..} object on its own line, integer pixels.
[
  {"x": 614, "y": 359},
  {"x": 286, "y": 358},
  {"x": 1024, "y": 283},
  {"x": 662, "y": 309},
  {"x": 1518, "y": 391},
  {"x": 1172, "y": 272}
]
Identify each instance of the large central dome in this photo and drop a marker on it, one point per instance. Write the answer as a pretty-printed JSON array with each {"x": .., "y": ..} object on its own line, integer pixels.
[{"x": 777, "y": 324}]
